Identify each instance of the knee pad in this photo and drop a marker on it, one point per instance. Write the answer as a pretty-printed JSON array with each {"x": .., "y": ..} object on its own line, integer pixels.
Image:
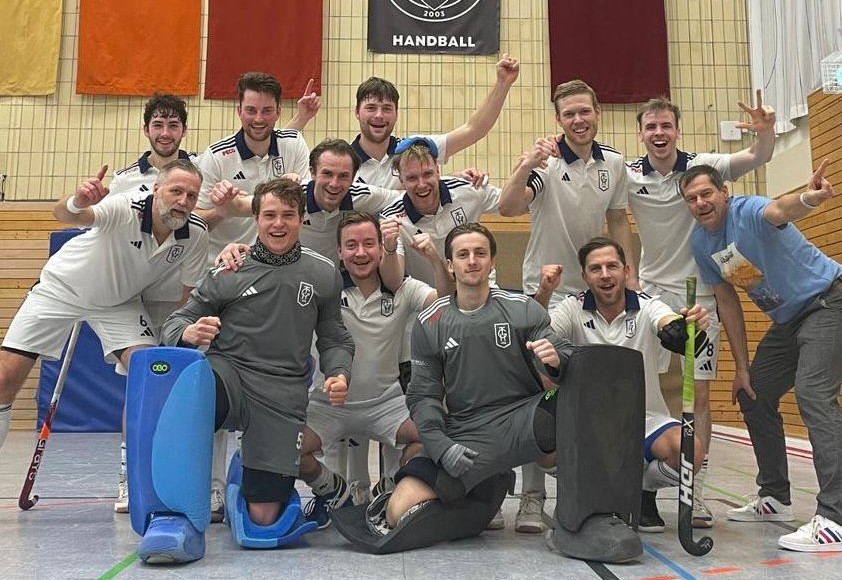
[
  {"x": 289, "y": 526},
  {"x": 600, "y": 421},
  {"x": 447, "y": 488},
  {"x": 169, "y": 435}
]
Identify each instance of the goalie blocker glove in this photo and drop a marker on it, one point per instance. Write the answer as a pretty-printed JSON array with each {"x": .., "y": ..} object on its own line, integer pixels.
[{"x": 673, "y": 337}]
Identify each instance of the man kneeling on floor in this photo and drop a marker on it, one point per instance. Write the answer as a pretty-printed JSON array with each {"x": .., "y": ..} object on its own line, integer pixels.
[
  {"x": 258, "y": 324},
  {"x": 479, "y": 348}
]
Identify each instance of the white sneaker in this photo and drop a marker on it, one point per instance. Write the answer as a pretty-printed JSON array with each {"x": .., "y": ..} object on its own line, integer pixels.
[
  {"x": 217, "y": 505},
  {"x": 121, "y": 506},
  {"x": 762, "y": 509},
  {"x": 818, "y": 535},
  {"x": 498, "y": 522},
  {"x": 702, "y": 518},
  {"x": 530, "y": 514}
]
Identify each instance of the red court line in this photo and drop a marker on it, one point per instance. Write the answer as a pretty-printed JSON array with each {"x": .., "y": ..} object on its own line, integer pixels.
[
  {"x": 777, "y": 562},
  {"x": 723, "y": 570},
  {"x": 795, "y": 451}
]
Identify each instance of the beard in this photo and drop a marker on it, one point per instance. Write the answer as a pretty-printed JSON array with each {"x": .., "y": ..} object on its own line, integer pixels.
[{"x": 173, "y": 221}]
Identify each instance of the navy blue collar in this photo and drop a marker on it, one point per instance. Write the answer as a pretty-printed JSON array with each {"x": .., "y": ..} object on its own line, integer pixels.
[
  {"x": 414, "y": 215},
  {"x": 312, "y": 207},
  {"x": 632, "y": 302},
  {"x": 181, "y": 233},
  {"x": 348, "y": 282},
  {"x": 393, "y": 142},
  {"x": 680, "y": 163},
  {"x": 246, "y": 153},
  {"x": 144, "y": 165},
  {"x": 571, "y": 157}
]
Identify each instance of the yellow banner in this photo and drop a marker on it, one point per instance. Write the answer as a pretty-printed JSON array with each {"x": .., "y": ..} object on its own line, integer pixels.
[{"x": 30, "y": 33}]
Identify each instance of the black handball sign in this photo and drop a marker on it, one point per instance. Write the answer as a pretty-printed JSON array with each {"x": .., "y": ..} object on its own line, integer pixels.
[{"x": 440, "y": 26}]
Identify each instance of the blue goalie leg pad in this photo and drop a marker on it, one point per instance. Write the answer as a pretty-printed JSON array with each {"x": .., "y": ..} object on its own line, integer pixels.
[
  {"x": 171, "y": 539},
  {"x": 288, "y": 528},
  {"x": 170, "y": 397}
]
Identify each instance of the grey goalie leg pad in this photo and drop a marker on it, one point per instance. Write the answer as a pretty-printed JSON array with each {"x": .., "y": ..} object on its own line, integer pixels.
[
  {"x": 600, "y": 420},
  {"x": 431, "y": 523}
]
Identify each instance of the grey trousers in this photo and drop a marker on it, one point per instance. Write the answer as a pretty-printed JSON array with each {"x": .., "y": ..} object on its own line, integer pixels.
[{"x": 805, "y": 353}]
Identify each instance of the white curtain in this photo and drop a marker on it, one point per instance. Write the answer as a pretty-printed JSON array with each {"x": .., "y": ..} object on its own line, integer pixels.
[{"x": 787, "y": 40}]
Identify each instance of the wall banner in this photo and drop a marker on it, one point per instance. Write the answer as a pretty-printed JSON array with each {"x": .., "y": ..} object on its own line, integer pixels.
[{"x": 434, "y": 26}]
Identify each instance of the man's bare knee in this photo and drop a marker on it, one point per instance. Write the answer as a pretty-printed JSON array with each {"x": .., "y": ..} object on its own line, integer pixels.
[
  {"x": 410, "y": 491},
  {"x": 14, "y": 368}
]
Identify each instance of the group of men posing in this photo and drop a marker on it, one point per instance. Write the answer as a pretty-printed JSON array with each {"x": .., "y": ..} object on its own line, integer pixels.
[{"x": 322, "y": 241}]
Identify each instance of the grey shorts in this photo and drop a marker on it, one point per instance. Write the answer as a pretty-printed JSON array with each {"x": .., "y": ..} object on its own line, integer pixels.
[{"x": 271, "y": 438}]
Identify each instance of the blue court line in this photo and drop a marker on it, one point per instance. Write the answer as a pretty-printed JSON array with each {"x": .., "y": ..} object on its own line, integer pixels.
[{"x": 667, "y": 562}]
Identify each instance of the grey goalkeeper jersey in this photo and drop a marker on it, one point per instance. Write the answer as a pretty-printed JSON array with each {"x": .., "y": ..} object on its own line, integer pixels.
[
  {"x": 479, "y": 360},
  {"x": 268, "y": 314}
]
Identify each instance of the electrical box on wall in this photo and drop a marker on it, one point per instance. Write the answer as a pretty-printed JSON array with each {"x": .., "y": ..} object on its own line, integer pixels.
[{"x": 728, "y": 131}]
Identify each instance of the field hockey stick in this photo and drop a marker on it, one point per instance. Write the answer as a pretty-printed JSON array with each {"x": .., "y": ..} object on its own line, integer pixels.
[
  {"x": 688, "y": 400},
  {"x": 24, "y": 501}
]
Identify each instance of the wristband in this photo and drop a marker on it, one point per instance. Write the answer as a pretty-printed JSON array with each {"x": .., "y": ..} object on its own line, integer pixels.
[
  {"x": 390, "y": 253},
  {"x": 804, "y": 201},
  {"x": 75, "y": 209}
]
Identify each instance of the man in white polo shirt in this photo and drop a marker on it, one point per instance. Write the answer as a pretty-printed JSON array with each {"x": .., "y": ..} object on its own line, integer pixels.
[
  {"x": 665, "y": 225},
  {"x": 570, "y": 186},
  {"x": 609, "y": 313},
  {"x": 254, "y": 154},
  {"x": 98, "y": 276},
  {"x": 376, "y": 317},
  {"x": 377, "y": 112}
]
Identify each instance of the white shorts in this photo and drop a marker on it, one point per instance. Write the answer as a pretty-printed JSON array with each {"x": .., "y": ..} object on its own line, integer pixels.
[
  {"x": 708, "y": 358},
  {"x": 378, "y": 419},
  {"x": 655, "y": 426},
  {"x": 43, "y": 323}
]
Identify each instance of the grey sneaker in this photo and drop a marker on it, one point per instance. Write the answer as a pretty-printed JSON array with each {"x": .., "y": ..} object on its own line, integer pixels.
[
  {"x": 217, "y": 505},
  {"x": 498, "y": 522},
  {"x": 121, "y": 506},
  {"x": 530, "y": 514}
]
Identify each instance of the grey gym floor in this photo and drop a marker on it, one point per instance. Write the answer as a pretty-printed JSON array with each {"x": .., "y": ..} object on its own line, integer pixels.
[{"x": 73, "y": 533}]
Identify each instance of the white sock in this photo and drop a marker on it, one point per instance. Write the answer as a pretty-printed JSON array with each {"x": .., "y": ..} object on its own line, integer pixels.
[
  {"x": 5, "y": 421},
  {"x": 533, "y": 480},
  {"x": 658, "y": 474},
  {"x": 123, "y": 459},
  {"x": 326, "y": 482}
]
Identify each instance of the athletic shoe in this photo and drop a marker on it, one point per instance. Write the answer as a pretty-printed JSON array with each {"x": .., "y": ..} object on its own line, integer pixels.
[
  {"x": 318, "y": 509},
  {"x": 217, "y": 505},
  {"x": 650, "y": 519},
  {"x": 530, "y": 514},
  {"x": 818, "y": 535},
  {"x": 385, "y": 484},
  {"x": 170, "y": 539},
  {"x": 121, "y": 506},
  {"x": 762, "y": 509},
  {"x": 702, "y": 518},
  {"x": 498, "y": 522},
  {"x": 375, "y": 514}
]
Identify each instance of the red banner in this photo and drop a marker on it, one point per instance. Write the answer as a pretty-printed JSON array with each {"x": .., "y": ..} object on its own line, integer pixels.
[
  {"x": 279, "y": 37},
  {"x": 139, "y": 47},
  {"x": 618, "y": 48}
]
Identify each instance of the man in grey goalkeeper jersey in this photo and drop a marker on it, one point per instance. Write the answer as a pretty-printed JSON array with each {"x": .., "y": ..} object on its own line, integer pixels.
[
  {"x": 258, "y": 324},
  {"x": 460, "y": 345}
]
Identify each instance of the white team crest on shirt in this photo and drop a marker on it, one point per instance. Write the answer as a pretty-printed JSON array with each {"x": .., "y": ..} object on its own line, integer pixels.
[
  {"x": 305, "y": 293},
  {"x": 459, "y": 217},
  {"x": 175, "y": 252},
  {"x": 604, "y": 182},
  {"x": 502, "y": 335},
  {"x": 631, "y": 327},
  {"x": 387, "y": 306},
  {"x": 278, "y": 166}
]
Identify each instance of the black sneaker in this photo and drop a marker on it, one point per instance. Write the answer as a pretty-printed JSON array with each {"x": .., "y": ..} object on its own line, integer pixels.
[{"x": 650, "y": 519}]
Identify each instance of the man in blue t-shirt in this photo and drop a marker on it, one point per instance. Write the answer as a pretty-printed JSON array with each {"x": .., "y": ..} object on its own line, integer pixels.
[{"x": 750, "y": 242}]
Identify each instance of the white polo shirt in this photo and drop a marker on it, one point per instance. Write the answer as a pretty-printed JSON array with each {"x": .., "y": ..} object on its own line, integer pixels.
[
  {"x": 570, "y": 198},
  {"x": 139, "y": 178},
  {"x": 319, "y": 228},
  {"x": 118, "y": 257},
  {"x": 665, "y": 223},
  {"x": 577, "y": 319},
  {"x": 378, "y": 323},
  {"x": 231, "y": 159},
  {"x": 379, "y": 171},
  {"x": 460, "y": 203}
]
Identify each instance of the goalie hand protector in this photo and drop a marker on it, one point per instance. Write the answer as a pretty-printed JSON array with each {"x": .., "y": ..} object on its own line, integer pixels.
[{"x": 673, "y": 336}]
